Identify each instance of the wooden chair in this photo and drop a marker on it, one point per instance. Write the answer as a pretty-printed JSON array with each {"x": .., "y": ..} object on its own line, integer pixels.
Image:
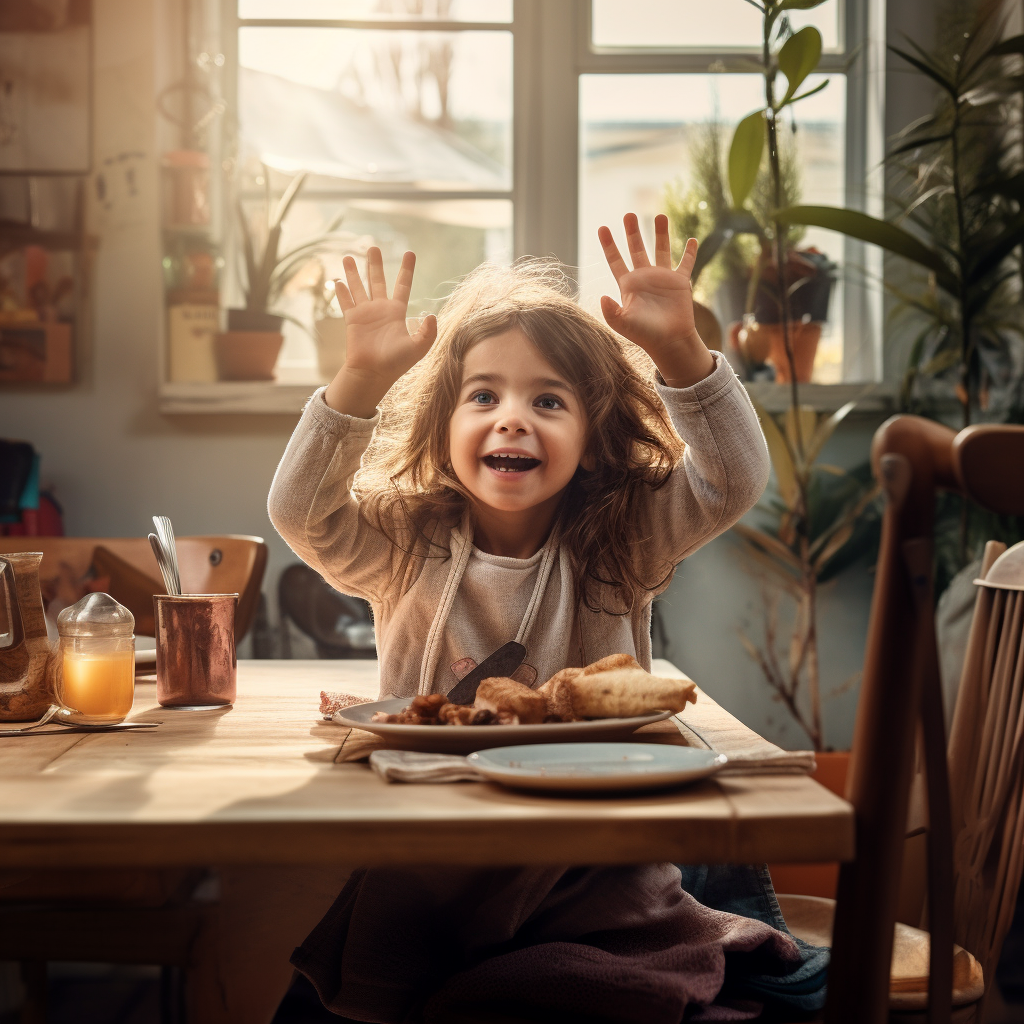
[
  {"x": 901, "y": 697},
  {"x": 228, "y": 564}
]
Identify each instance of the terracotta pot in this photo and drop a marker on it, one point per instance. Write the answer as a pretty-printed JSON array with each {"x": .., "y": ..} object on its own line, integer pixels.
[
  {"x": 804, "y": 338},
  {"x": 816, "y": 879},
  {"x": 247, "y": 355}
]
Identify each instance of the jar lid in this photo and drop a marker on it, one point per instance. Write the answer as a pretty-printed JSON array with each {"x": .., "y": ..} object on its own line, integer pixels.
[{"x": 96, "y": 615}]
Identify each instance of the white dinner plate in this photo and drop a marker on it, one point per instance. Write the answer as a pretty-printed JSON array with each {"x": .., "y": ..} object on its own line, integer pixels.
[
  {"x": 600, "y": 766},
  {"x": 464, "y": 739}
]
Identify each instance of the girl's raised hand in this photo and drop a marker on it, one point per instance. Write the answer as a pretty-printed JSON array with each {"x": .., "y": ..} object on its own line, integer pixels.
[
  {"x": 656, "y": 311},
  {"x": 379, "y": 347}
]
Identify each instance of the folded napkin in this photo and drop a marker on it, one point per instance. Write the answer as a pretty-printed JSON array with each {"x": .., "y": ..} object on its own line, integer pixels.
[
  {"x": 412, "y": 766},
  {"x": 705, "y": 725}
]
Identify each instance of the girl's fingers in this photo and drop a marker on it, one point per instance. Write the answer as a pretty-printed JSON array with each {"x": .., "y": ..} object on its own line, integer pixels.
[
  {"x": 355, "y": 285},
  {"x": 689, "y": 257},
  {"x": 635, "y": 241},
  {"x": 616, "y": 263},
  {"x": 375, "y": 273},
  {"x": 611, "y": 309},
  {"x": 662, "y": 243},
  {"x": 403, "y": 283},
  {"x": 427, "y": 333},
  {"x": 344, "y": 296}
]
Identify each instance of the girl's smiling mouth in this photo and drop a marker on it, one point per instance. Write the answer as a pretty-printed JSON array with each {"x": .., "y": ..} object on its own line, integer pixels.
[{"x": 510, "y": 461}]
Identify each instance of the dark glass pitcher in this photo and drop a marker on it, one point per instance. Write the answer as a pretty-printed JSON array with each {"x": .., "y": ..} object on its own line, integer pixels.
[{"x": 25, "y": 687}]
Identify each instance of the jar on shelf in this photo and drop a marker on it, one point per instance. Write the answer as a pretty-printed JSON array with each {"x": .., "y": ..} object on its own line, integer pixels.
[
  {"x": 186, "y": 188},
  {"x": 96, "y": 661}
]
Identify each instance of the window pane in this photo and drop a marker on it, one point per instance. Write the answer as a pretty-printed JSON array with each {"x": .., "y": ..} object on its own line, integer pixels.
[
  {"x": 698, "y": 24},
  {"x": 450, "y": 238},
  {"x": 428, "y": 109},
  {"x": 644, "y": 145},
  {"x": 379, "y": 10}
]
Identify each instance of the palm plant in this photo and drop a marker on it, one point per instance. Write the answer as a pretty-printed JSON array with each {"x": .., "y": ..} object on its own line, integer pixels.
[{"x": 959, "y": 214}]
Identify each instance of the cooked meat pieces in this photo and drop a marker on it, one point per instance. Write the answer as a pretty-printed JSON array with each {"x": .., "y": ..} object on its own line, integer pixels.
[
  {"x": 502, "y": 695},
  {"x": 614, "y": 687}
]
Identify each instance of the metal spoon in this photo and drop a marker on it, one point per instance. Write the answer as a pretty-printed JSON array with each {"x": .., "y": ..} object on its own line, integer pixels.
[
  {"x": 165, "y": 531},
  {"x": 161, "y": 561},
  {"x": 47, "y": 715}
]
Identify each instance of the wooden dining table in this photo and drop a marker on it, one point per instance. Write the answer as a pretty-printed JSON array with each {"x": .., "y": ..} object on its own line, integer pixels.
[
  {"x": 257, "y": 784},
  {"x": 256, "y": 796}
]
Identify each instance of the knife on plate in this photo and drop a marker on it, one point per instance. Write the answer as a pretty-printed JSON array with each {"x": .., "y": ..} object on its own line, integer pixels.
[{"x": 503, "y": 662}]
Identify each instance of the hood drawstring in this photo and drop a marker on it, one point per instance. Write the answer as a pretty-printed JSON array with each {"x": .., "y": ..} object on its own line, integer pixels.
[{"x": 460, "y": 559}]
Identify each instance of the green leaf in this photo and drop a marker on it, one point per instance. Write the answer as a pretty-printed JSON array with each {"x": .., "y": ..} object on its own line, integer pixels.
[
  {"x": 926, "y": 140},
  {"x": 769, "y": 544},
  {"x": 926, "y": 69},
  {"x": 941, "y": 362},
  {"x": 782, "y": 458},
  {"x": 826, "y": 428},
  {"x": 799, "y": 5},
  {"x": 878, "y": 232},
  {"x": 810, "y": 92},
  {"x": 798, "y": 57},
  {"x": 807, "y": 418},
  {"x": 733, "y": 222},
  {"x": 996, "y": 251},
  {"x": 745, "y": 156},
  {"x": 1015, "y": 44}
]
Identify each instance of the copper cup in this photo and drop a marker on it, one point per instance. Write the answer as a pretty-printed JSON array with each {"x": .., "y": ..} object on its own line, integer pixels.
[{"x": 195, "y": 649}]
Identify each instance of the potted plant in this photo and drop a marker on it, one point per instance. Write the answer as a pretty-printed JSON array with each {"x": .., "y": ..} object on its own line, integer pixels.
[
  {"x": 738, "y": 275},
  {"x": 248, "y": 350}
]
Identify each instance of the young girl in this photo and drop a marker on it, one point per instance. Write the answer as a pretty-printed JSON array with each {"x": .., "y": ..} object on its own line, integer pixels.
[{"x": 526, "y": 480}]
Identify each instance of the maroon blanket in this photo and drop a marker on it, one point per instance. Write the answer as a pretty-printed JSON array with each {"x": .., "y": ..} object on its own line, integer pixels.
[{"x": 620, "y": 944}]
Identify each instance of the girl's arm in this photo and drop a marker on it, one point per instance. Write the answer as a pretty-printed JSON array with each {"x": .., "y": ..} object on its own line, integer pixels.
[
  {"x": 311, "y": 502},
  {"x": 725, "y": 467}
]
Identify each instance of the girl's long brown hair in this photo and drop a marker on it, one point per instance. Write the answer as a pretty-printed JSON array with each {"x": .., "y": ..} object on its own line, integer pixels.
[{"x": 406, "y": 481}]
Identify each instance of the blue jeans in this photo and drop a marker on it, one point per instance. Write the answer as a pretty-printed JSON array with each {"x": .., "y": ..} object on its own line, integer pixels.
[{"x": 746, "y": 889}]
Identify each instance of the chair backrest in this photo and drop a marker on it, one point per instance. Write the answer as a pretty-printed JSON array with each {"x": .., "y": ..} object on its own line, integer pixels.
[
  {"x": 229, "y": 564},
  {"x": 986, "y": 765},
  {"x": 900, "y": 699}
]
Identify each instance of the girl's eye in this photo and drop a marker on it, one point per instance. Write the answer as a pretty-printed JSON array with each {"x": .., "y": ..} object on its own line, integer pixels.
[
  {"x": 483, "y": 398},
  {"x": 549, "y": 402}
]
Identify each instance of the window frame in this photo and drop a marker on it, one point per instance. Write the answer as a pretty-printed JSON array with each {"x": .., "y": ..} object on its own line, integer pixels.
[{"x": 546, "y": 109}]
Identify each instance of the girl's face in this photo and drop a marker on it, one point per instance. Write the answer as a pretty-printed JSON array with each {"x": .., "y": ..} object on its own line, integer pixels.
[{"x": 517, "y": 433}]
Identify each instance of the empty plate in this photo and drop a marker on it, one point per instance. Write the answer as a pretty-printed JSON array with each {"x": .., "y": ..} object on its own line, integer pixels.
[{"x": 596, "y": 765}]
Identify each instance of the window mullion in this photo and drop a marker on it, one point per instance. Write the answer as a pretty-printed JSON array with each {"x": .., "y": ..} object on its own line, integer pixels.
[{"x": 546, "y": 128}]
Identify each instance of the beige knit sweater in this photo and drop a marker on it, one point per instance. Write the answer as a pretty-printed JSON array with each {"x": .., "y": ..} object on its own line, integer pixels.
[{"x": 431, "y": 613}]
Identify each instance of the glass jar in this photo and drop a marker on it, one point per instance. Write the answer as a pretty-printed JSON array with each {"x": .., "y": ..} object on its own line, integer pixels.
[{"x": 96, "y": 661}]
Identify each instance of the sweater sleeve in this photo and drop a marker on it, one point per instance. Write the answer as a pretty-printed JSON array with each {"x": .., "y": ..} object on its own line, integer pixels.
[
  {"x": 312, "y": 506},
  {"x": 722, "y": 474}
]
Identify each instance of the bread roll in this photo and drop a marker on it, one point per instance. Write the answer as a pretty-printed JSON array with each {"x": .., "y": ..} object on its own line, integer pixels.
[
  {"x": 503, "y": 695},
  {"x": 626, "y": 692}
]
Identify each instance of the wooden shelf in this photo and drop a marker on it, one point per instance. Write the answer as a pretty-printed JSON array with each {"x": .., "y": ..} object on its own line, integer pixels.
[{"x": 261, "y": 397}]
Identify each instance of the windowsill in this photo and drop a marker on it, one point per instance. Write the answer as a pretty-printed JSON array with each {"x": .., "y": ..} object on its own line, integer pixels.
[{"x": 274, "y": 398}]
